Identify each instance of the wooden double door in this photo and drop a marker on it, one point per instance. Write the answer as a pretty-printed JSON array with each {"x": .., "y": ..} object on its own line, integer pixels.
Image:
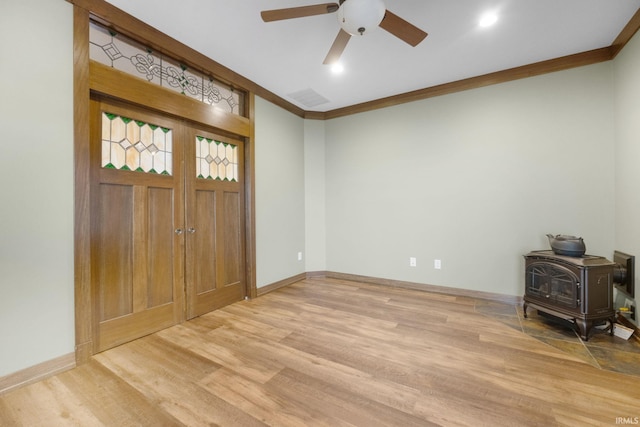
[{"x": 167, "y": 221}]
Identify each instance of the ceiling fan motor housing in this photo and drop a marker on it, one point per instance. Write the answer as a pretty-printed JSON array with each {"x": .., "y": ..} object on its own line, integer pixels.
[{"x": 359, "y": 16}]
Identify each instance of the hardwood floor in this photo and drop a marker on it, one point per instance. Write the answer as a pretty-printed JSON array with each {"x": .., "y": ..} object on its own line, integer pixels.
[{"x": 327, "y": 352}]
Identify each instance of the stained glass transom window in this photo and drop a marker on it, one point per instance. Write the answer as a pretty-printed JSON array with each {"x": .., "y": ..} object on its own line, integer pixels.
[
  {"x": 134, "y": 145},
  {"x": 216, "y": 160},
  {"x": 126, "y": 55}
]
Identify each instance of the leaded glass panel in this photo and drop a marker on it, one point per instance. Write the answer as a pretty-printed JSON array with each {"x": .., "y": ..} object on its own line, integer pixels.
[
  {"x": 129, "y": 144},
  {"x": 216, "y": 160},
  {"x": 131, "y": 57}
]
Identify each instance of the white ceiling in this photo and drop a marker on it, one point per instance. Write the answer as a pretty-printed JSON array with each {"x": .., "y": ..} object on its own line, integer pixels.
[{"x": 285, "y": 57}]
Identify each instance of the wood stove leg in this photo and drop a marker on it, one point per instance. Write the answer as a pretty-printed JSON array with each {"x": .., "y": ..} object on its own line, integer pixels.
[
  {"x": 584, "y": 326},
  {"x": 612, "y": 320},
  {"x": 524, "y": 308}
]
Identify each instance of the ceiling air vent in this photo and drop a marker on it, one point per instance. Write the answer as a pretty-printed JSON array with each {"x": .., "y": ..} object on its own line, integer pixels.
[{"x": 308, "y": 97}]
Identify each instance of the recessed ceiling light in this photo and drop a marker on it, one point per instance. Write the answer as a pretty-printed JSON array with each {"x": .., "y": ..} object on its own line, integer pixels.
[
  {"x": 337, "y": 68},
  {"x": 488, "y": 19}
]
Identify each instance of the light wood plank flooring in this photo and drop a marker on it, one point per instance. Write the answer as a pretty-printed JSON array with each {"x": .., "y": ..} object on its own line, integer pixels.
[{"x": 327, "y": 352}]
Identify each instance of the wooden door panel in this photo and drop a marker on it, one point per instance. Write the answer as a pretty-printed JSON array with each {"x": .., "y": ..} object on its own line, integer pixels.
[
  {"x": 160, "y": 253},
  {"x": 113, "y": 257},
  {"x": 204, "y": 242},
  {"x": 127, "y": 328},
  {"x": 136, "y": 274},
  {"x": 230, "y": 223}
]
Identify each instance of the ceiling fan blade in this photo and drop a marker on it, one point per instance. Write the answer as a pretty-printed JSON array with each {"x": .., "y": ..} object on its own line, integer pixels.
[
  {"x": 400, "y": 28},
  {"x": 337, "y": 47},
  {"x": 298, "y": 12}
]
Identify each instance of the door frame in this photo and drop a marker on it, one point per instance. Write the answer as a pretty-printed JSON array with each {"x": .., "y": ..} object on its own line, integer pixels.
[{"x": 89, "y": 77}]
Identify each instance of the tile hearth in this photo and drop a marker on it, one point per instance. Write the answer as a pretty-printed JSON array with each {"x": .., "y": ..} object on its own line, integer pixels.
[{"x": 601, "y": 350}]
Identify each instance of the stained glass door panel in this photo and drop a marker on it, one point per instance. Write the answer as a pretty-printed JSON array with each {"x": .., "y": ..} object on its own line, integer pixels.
[{"x": 135, "y": 145}]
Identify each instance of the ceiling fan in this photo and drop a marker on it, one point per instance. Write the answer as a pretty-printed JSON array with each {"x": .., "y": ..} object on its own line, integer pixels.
[{"x": 356, "y": 17}]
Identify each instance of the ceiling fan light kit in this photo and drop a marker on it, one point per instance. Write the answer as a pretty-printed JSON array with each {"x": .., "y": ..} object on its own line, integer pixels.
[
  {"x": 356, "y": 17},
  {"x": 359, "y": 16}
]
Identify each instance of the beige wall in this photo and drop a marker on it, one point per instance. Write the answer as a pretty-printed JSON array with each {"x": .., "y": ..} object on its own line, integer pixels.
[
  {"x": 36, "y": 172},
  {"x": 475, "y": 179},
  {"x": 627, "y": 152},
  {"x": 315, "y": 196},
  {"x": 280, "y": 218}
]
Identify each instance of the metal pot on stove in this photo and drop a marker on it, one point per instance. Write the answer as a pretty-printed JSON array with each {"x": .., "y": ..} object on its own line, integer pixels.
[{"x": 567, "y": 245}]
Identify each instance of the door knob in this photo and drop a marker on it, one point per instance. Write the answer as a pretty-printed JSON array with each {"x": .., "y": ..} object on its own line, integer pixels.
[
  {"x": 191, "y": 230},
  {"x": 179, "y": 231}
]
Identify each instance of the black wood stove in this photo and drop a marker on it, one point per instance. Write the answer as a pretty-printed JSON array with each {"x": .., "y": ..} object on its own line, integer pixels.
[{"x": 577, "y": 289}]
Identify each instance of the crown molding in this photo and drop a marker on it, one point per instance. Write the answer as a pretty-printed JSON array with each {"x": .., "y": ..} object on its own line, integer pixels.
[
  {"x": 123, "y": 22},
  {"x": 522, "y": 72}
]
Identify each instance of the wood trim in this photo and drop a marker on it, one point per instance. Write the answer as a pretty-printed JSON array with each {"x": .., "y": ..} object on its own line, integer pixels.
[
  {"x": 508, "y": 299},
  {"x": 316, "y": 115},
  {"x": 557, "y": 64},
  {"x": 82, "y": 208},
  {"x": 625, "y": 35},
  {"x": 112, "y": 82},
  {"x": 313, "y": 274},
  {"x": 550, "y": 66},
  {"x": 37, "y": 372},
  {"x": 250, "y": 200},
  {"x": 281, "y": 284}
]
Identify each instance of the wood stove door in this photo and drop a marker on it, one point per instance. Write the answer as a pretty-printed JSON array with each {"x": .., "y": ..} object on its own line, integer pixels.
[{"x": 553, "y": 285}]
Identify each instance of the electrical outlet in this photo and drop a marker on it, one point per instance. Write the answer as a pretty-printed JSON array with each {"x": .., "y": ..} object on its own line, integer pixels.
[
  {"x": 412, "y": 262},
  {"x": 437, "y": 264},
  {"x": 299, "y": 256}
]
